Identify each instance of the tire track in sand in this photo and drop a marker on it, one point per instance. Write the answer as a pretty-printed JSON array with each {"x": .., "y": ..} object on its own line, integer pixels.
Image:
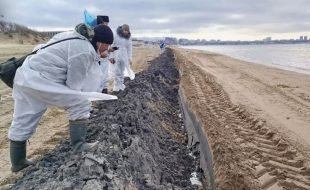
[{"x": 274, "y": 162}]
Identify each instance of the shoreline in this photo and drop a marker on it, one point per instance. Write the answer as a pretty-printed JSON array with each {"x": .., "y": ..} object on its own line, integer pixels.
[
  {"x": 249, "y": 59},
  {"x": 286, "y": 83}
]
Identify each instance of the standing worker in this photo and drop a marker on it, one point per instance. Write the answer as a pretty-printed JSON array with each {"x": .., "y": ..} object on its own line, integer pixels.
[
  {"x": 54, "y": 76},
  {"x": 162, "y": 47},
  {"x": 122, "y": 57}
]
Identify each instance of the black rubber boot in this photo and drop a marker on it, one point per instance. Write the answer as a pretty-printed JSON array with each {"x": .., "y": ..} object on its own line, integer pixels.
[
  {"x": 78, "y": 136},
  {"x": 105, "y": 90},
  {"x": 18, "y": 156}
]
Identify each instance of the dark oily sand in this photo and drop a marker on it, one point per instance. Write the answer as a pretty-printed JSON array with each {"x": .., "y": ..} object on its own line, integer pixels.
[{"x": 143, "y": 142}]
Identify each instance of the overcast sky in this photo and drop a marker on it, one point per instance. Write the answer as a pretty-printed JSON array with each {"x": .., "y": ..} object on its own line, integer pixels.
[{"x": 208, "y": 19}]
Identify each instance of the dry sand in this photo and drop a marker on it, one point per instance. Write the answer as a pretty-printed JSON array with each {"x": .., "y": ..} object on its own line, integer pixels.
[
  {"x": 53, "y": 127},
  {"x": 256, "y": 118},
  {"x": 20, "y": 39}
]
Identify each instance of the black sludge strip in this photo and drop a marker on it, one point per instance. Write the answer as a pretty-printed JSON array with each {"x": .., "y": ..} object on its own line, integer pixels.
[{"x": 143, "y": 142}]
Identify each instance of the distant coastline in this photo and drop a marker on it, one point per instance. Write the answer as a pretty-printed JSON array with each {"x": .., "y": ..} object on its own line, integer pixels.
[
  {"x": 204, "y": 42},
  {"x": 186, "y": 42}
]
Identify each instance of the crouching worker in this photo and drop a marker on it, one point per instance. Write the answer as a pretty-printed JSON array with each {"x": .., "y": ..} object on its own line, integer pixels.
[{"x": 54, "y": 77}]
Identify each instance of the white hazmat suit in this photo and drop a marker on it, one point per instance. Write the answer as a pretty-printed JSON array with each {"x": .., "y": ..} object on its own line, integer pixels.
[
  {"x": 123, "y": 57},
  {"x": 55, "y": 76},
  {"x": 104, "y": 66}
]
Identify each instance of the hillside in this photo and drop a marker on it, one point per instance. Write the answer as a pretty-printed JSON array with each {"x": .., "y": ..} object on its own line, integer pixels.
[{"x": 11, "y": 33}]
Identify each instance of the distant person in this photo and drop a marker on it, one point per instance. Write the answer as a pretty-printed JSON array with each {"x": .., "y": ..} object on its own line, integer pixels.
[
  {"x": 162, "y": 47},
  {"x": 122, "y": 57},
  {"x": 55, "y": 77}
]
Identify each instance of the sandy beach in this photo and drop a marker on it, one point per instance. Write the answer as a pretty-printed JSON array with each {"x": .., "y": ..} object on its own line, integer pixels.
[{"x": 256, "y": 118}]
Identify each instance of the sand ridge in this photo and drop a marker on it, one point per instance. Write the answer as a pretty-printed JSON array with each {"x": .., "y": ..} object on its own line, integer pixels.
[
  {"x": 142, "y": 141},
  {"x": 42, "y": 142},
  {"x": 248, "y": 150}
]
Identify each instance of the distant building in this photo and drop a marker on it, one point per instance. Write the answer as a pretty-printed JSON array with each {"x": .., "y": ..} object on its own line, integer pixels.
[
  {"x": 267, "y": 39},
  {"x": 136, "y": 42},
  {"x": 305, "y": 38},
  {"x": 183, "y": 41},
  {"x": 171, "y": 41},
  {"x": 301, "y": 38}
]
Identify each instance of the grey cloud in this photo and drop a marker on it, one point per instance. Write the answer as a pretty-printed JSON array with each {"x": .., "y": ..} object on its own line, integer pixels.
[{"x": 177, "y": 16}]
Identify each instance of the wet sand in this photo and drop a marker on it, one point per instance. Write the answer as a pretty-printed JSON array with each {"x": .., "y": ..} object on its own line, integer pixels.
[{"x": 256, "y": 118}]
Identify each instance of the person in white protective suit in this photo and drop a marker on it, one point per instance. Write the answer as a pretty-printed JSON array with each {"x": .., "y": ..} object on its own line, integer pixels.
[
  {"x": 104, "y": 60},
  {"x": 92, "y": 82},
  {"x": 54, "y": 76},
  {"x": 122, "y": 57}
]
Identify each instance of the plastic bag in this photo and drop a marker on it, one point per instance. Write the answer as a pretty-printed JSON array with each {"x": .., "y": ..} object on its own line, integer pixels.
[{"x": 89, "y": 19}]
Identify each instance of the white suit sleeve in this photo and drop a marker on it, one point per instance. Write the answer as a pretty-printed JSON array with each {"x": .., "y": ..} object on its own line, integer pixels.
[
  {"x": 112, "y": 54},
  {"x": 129, "y": 49},
  {"x": 77, "y": 70}
]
